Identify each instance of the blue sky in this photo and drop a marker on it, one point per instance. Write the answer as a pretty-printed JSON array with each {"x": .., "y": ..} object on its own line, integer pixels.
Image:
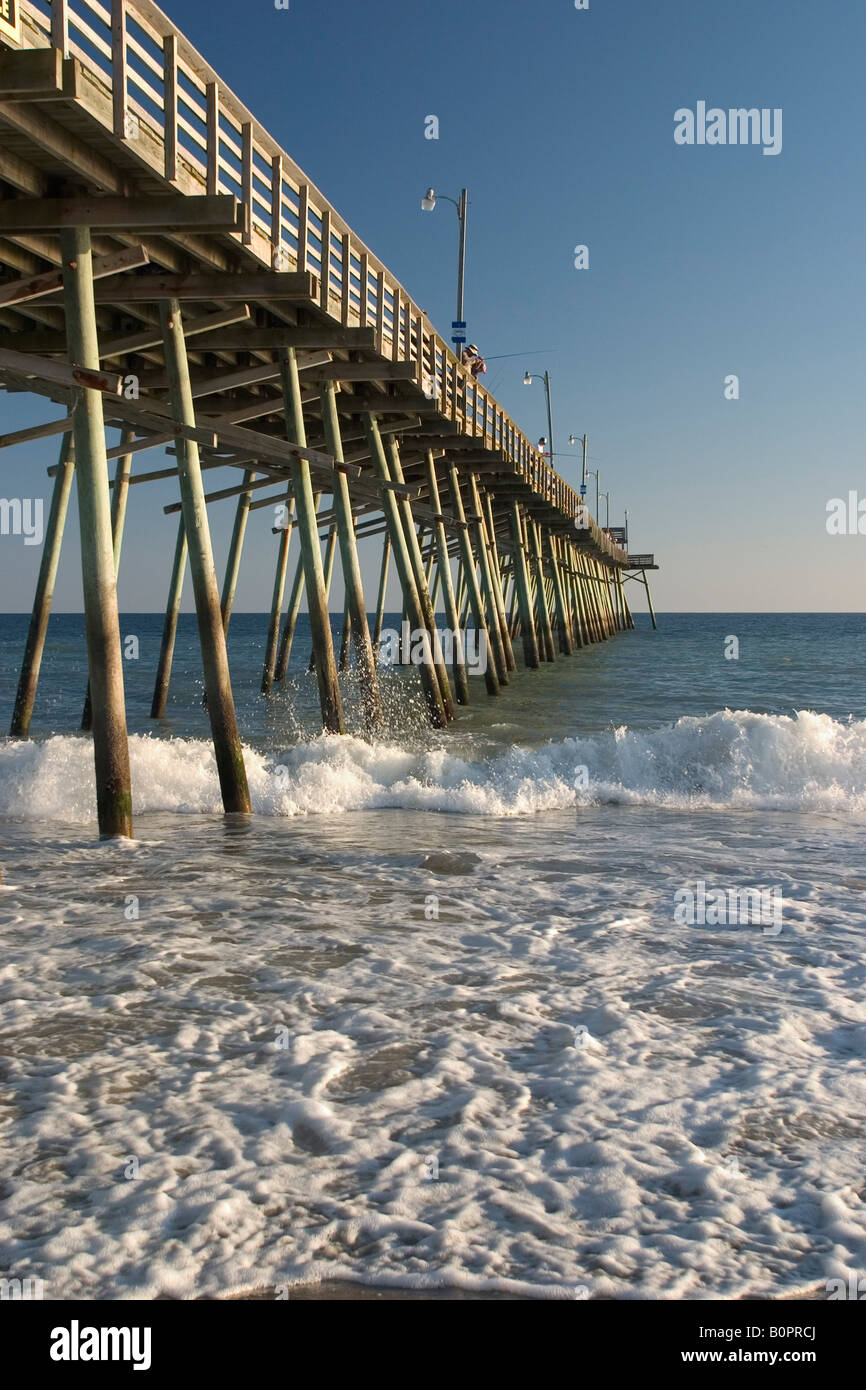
[{"x": 704, "y": 261}]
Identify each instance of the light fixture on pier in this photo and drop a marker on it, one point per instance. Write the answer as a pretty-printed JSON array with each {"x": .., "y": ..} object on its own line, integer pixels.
[
  {"x": 528, "y": 378},
  {"x": 594, "y": 472},
  {"x": 580, "y": 439},
  {"x": 428, "y": 204}
]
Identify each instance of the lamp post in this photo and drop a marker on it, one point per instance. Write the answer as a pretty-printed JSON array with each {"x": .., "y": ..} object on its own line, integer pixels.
[
  {"x": 528, "y": 378},
  {"x": 606, "y": 496},
  {"x": 593, "y": 472},
  {"x": 428, "y": 203},
  {"x": 626, "y": 530},
  {"x": 572, "y": 439}
]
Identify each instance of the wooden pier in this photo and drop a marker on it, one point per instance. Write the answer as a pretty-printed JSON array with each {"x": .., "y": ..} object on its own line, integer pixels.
[{"x": 166, "y": 270}]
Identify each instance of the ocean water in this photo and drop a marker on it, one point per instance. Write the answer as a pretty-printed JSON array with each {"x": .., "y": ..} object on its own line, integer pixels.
[{"x": 428, "y": 1018}]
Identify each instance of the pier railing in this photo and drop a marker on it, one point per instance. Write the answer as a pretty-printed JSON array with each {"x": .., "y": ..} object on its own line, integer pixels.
[{"x": 138, "y": 75}]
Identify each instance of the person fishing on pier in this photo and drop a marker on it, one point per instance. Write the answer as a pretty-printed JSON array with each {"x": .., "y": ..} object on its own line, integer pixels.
[{"x": 473, "y": 361}]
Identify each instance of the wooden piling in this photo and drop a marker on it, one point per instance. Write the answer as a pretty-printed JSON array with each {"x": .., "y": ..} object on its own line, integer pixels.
[
  {"x": 650, "y": 602},
  {"x": 593, "y": 593},
  {"x": 104, "y": 656},
  {"x": 581, "y": 625},
  {"x": 220, "y": 703},
  {"x": 405, "y": 570},
  {"x": 470, "y": 576},
  {"x": 279, "y": 590},
  {"x": 461, "y": 682},
  {"x": 330, "y": 553},
  {"x": 608, "y": 598},
  {"x": 380, "y": 597},
  {"x": 563, "y": 631},
  {"x": 540, "y": 591},
  {"x": 233, "y": 561},
  {"x": 607, "y": 607},
  {"x": 623, "y": 601},
  {"x": 524, "y": 594},
  {"x": 119, "y": 499},
  {"x": 345, "y": 636},
  {"x": 622, "y": 621},
  {"x": 169, "y": 627},
  {"x": 363, "y": 647},
  {"x": 598, "y": 599},
  {"x": 35, "y": 645},
  {"x": 290, "y": 623},
  {"x": 308, "y": 531},
  {"x": 482, "y": 556},
  {"x": 563, "y": 552},
  {"x": 404, "y": 507},
  {"x": 492, "y": 551},
  {"x": 288, "y": 636}
]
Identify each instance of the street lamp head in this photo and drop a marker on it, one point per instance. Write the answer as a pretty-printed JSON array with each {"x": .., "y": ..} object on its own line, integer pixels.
[
  {"x": 572, "y": 439},
  {"x": 428, "y": 202},
  {"x": 527, "y": 378}
]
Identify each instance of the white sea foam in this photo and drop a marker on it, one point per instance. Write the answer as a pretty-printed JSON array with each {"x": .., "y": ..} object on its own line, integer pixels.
[
  {"x": 551, "y": 1085},
  {"x": 437, "y": 1049},
  {"x": 731, "y": 759}
]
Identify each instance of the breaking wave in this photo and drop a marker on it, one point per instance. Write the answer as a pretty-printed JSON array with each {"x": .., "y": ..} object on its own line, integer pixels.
[{"x": 733, "y": 758}]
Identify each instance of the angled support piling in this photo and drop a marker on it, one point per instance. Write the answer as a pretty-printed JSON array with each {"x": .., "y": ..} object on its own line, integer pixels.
[
  {"x": 470, "y": 577},
  {"x": 104, "y": 656},
  {"x": 363, "y": 647},
  {"x": 169, "y": 627},
  {"x": 564, "y": 634},
  {"x": 598, "y": 596},
  {"x": 494, "y": 628},
  {"x": 604, "y": 575},
  {"x": 119, "y": 499},
  {"x": 330, "y": 554},
  {"x": 345, "y": 636},
  {"x": 458, "y": 668},
  {"x": 220, "y": 703},
  {"x": 492, "y": 551},
  {"x": 290, "y": 623},
  {"x": 650, "y": 602},
  {"x": 581, "y": 632},
  {"x": 404, "y": 507},
  {"x": 524, "y": 594},
  {"x": 308, "y": 530},
  {"x": 292, "y": 612},
  {"x": 540, "y": 591},
  {"x": 406, "y": 572},
  {"x": 380, "y": 597},
  {"x": 272, "y": 640},
  {"x": 29, "y": 678},
  {"x": 566, "y": 577},
  {"x": 233, "y": 562}
]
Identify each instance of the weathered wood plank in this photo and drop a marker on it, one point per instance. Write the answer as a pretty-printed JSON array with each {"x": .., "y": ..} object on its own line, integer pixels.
[
  {"x": 28, "y": 365},
  {"x": 171, "y": 213},
  {"x": 51, "y": 281}
]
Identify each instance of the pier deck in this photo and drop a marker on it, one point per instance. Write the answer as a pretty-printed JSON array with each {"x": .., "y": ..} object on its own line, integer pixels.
[{"x": 167, "y": 270}]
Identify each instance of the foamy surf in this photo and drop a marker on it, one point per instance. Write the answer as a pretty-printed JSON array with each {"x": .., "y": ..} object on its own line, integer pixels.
[{"x": 731, "y": 759}]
